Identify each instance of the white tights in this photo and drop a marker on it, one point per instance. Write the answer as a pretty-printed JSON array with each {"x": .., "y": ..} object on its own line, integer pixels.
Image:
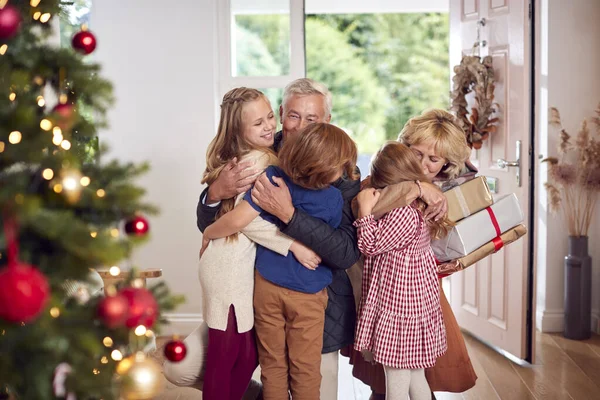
[{"x": 400, "y": 383}]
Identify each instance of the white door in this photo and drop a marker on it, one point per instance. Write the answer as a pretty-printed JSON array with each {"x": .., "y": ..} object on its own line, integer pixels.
[{"x": 490, "y": 300}]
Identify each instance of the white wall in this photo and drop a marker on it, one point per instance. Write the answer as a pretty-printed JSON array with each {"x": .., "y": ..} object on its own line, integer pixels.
[
  {"x": 568, "y": 42},
  {"x": 160, "y": 57}
]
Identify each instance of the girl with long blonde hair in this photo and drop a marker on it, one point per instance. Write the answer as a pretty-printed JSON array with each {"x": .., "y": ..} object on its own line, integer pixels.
[{"x": 226, "y": 269}]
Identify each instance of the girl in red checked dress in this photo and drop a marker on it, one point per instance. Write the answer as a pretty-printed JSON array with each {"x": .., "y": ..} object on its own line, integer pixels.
[{"x": 400, "y": 322}]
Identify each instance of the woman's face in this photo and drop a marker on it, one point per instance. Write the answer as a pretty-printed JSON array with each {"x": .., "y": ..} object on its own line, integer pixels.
[
  {"x": 258, "y": 122},
  {"x": 431, "y": 163}
]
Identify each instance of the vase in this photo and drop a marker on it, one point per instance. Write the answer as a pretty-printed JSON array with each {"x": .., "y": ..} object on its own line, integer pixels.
[{"x": 578, "y": 290}]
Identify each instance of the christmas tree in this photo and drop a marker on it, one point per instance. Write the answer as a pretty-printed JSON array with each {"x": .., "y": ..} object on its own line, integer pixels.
[{"x": 63, "y": 212}]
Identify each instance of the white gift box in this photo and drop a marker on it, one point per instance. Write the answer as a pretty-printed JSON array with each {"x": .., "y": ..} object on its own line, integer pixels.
[{"x": 478, "y": 229}]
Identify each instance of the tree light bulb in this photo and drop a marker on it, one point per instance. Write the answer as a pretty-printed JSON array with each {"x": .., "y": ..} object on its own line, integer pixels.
[
  {"x": 65, "y": 144},
  {"x": 107, "y": 341},
  {"x": 70, "y": 183},
  {"x": 48, "y": 174},
  {"x": 85, "y": 181},
  {"x": 12, "y": 96},
  {"x": 15, "y": 137},
  {"x": 3, "y": 49},
  {"x": 45, "y": 124},
  {"x": 57, "y": 139},
  {"x": 116, "y": 355},
  {"x": 45, "y": 17},
  {"x": 34, "y": 3},
  {"x": 37, "y": 15},
  {"x": 40, "y": 101},
  {"x": 114, "y": 270},
  {"x": 140, "y": 330}
]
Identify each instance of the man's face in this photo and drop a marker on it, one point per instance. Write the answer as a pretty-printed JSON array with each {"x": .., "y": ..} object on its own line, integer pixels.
[{"x": 300, "y": 111}]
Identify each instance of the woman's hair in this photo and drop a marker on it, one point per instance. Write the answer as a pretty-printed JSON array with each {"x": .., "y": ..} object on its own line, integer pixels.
[
  {"x": 229, "y": 141},
  {"x": 395, "y": 163},
  {"x": 314, "y": 156},
  {"x": 441, "y": 128}
]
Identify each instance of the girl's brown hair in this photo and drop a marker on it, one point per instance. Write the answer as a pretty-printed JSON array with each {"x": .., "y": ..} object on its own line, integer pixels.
[
  {"x": 315, "y": 156},
  {"x": 395, "y": 163},
  {"x": 229, "y": 142}
]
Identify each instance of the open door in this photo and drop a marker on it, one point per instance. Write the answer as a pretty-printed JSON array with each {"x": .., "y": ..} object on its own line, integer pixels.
[{"x": 492, "y": 300}]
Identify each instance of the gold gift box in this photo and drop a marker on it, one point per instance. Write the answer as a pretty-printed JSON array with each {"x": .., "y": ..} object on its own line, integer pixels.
[
  {"x": 468, "y": 198},
  {"x": 487, "y": 249}
]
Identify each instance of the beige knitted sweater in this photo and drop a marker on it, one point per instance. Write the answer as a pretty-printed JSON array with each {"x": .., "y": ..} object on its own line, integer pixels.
[{"x": 226, "y": 269}]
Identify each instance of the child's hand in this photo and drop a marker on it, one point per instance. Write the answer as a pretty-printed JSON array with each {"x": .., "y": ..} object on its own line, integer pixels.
[
  {"x": 205, "y": 243},
  {"x": 366, "y": 201},
  {"x": 305, "y": 256}
]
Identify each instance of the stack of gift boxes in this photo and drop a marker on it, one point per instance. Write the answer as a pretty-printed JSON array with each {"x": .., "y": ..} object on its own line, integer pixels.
[{"x": 483, "y": 226}]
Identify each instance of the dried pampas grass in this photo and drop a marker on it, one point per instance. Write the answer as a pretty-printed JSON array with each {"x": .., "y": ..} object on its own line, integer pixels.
[{"x": 574, "y": 187}]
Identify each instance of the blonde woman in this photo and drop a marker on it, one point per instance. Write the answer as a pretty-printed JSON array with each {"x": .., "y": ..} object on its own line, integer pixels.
[{"x": 442, "y": 150}]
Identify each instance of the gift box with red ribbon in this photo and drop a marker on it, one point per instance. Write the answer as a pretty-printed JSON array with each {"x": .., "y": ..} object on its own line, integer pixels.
[
  {"x": 449, "y": 267},
  {"x": 476, "y": 230},
  {"x": 468, "y": 198}
]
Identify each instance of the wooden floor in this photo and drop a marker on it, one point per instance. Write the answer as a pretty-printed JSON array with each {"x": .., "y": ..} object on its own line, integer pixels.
[{"x": 564, "y": 369}]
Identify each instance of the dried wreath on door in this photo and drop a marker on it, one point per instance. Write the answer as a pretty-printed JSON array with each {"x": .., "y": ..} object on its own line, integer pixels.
[{"x": 474, "y": 75}]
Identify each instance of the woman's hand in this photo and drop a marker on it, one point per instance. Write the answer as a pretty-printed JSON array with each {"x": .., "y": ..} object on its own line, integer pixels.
[
  {"x": 205, "y": 242},
  {"x": 366, "y": 201},
  {"x": 305, "y": 256}
]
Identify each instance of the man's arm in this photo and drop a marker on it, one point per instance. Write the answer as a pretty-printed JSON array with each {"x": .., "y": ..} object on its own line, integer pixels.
[
  {"x": 205, "y": 214},
  {"x": 235, "y": 178},
  {"x": 337, "y": 247}
]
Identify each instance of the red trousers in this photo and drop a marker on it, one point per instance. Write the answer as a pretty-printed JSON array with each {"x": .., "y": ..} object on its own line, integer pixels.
[{"x": 230, "y": 362}]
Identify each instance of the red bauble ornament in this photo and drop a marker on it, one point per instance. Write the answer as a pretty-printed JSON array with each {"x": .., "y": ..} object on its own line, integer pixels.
[
  {"x": 24, "y": 292},
  {"x": 143, "y": 308},
  {"x": 10, "y": 21},
  {"x": 84, "y": 42},
  {"x": 65, "y": 116},
  {"x": 175, "y": 350},
  {"x": 113, "y": 310},
  {"x": 137, "y": 226}
]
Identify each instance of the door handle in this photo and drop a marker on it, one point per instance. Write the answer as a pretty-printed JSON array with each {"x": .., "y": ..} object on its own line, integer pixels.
[{"x": 502, "y": 163}]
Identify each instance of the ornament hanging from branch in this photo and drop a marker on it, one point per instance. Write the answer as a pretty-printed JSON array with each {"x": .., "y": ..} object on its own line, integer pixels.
[
  {"x": 10, "y": 21},
  {"x": 24, "y": 290},
  {"x": 84, "y": 41},
  {"x": 474, "y": 74}
]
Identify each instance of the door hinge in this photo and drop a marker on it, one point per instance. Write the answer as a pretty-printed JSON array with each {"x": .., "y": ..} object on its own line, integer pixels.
[{"x": 530, "y": 11}]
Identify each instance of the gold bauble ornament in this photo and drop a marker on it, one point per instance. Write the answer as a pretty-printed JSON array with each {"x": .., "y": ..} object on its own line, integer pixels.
[{"x": 140, "y": 378}]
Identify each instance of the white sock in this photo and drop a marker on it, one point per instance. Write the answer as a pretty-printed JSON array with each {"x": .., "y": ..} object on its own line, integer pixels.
[
  {"x": 419, "y": 388},
  {"x": 397, "y": 382}
]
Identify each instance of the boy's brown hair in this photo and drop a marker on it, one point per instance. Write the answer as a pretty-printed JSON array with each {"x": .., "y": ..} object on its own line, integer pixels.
[{"x": 316, "y": 155}]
